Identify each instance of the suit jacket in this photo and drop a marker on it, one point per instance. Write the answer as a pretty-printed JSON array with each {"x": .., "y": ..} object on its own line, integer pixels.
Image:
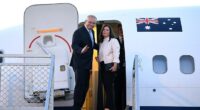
[
  {"x": 81, "y": 38},
  {"x": 122, "y": 53}
]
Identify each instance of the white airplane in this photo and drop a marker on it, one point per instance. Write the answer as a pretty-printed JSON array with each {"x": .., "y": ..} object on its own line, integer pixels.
[{"x": 161, "y": 51}]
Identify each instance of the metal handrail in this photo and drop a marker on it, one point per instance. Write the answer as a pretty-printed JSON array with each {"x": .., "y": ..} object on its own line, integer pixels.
[
  {"x": 50, "y": 84},
  {"x": 24, "y": 64},
  {"x": 50, "y": 81},
  {"x": 135, "y": 75},
  {"x": 23, "y": 56}
]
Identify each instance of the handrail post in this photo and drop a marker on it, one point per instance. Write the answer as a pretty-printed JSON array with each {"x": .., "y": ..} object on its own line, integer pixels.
[
  {"x": 50, "y": 83},
  {"x": 136, "y": 82},
  {"x": 50, "y": 89}
]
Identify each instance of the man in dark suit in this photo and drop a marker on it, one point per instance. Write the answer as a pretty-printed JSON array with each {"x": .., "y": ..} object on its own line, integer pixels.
[{"x": 83, "y": 43}]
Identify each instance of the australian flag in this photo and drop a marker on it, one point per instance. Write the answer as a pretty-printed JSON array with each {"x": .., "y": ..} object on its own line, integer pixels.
[{"x": 158, "y": 25}]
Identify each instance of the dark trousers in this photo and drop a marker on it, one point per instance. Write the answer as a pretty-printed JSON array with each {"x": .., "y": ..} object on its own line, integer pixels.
[
  {"x": 108, "y": 83},
  {"x": 82, "y": 84},
  {"x": 120, "y": 89}
]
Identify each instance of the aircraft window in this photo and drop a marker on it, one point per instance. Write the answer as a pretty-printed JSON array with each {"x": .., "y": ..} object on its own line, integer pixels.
[
  {"x": 48, "y": 40},
  {"x": 187, "y": 64},
  {"x": 1, "y": 59},
  {"x": 159, "y": 64}
]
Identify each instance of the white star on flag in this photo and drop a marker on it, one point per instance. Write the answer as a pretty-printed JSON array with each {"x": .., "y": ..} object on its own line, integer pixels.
[{"x": 147, "y": 27}]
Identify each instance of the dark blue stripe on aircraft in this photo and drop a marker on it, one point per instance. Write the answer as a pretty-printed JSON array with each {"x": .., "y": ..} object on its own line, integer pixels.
[
  {"x": 166, "y": 108},
  {"x": 169, "y": 108}
]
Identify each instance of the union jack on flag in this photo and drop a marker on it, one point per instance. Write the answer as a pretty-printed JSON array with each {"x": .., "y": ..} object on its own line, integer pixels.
[
  {"x": 147, "y": 20},
  {"x": 158, "y": 25}
]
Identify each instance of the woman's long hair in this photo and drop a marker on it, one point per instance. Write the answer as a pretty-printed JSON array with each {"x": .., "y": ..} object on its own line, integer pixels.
[{"x": 111, "y": 35}]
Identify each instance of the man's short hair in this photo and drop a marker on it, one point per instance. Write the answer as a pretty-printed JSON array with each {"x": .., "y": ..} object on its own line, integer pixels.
[{"x": 91, "y": 16}]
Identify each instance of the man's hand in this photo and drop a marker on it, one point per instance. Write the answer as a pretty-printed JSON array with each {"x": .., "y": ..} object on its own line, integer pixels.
[{"x": 85, "y": 49}]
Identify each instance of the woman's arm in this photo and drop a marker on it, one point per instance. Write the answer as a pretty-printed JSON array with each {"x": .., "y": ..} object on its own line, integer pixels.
[{"x": 116, "y": 51}]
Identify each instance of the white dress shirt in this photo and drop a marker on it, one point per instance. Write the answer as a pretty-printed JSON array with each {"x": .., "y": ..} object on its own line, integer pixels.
[
  {"x": 91, "y": 35},
  {"x": 109, "y": 51}
]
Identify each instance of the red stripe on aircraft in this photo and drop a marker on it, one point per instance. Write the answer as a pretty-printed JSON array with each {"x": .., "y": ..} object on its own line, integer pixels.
[
  {"x": 33, "y": 41},
  {"x": 70, "y": 49}
]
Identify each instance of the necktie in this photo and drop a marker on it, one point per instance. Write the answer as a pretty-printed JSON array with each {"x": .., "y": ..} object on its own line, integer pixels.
[{"x": 91, "y": 37}]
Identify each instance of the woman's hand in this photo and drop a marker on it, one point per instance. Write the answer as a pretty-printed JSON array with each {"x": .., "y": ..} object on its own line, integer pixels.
[{"x": 114, "y": 67}]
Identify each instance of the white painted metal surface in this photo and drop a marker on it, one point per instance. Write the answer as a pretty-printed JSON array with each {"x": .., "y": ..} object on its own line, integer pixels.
[{"x": 52, "y": 26}]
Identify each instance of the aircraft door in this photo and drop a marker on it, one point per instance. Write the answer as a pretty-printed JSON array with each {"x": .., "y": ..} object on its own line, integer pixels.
[{"x": 51, "y": 26}]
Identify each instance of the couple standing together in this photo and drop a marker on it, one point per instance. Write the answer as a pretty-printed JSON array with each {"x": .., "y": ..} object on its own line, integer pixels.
[{"x": 83, "y": 43}]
